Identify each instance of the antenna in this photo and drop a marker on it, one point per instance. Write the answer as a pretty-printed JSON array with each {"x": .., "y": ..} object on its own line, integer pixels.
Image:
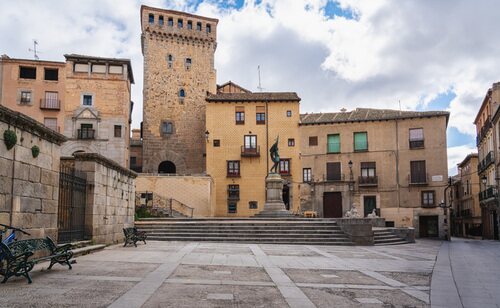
[
  {"x": 399, "y": 101},
  {"x": 259, "y": 87},
  {"x": 35, "y": 52}
]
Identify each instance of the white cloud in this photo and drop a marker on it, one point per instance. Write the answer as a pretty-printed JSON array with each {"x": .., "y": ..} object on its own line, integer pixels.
[{"x": 456, "y": 155}]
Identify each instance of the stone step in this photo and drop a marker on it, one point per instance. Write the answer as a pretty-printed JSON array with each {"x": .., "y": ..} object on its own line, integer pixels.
[
  {"x": 79, "y": 244},
  {"x": 326, "y": 229},
  {"x": 251, "y": 235},
  {"x": 256, "y": 240},
  {"x": 87, "y": 249},
  {"x": 391, "y": 243},
  {"x": 240, "y": 231},
  {"x": 200, "y": 219}
]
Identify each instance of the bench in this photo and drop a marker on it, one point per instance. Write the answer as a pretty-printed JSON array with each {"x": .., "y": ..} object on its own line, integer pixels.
[
  {"x": 310, "y": 214},
  {"x": 16, "y": 257},
  {"x": 132, "y": 236}
]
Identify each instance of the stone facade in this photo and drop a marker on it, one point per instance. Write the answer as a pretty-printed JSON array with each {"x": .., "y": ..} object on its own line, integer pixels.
[
  {"x": 380, "y": 174},
  {"x": 136, "y": 151},
  {"x": 226, "y": 144},
  {"x": 178, "y": 50},
  {"x": 488, "y": 140},
  {"x": 29, "y": 186},
  {"x": 34, "y": 88},
  {"x": 197, "y": 192},
  {"x": 98, "y": 107},
  {"x": 110, "y": 197}
]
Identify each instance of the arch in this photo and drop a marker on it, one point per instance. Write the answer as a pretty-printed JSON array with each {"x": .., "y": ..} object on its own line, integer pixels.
[
  {"x": 70, "y": 147},
  {"x": 151, "y": 164},
  {"x": 167, "y": 166}
]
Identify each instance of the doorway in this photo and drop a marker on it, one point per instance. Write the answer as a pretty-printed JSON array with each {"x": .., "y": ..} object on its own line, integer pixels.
[
  {"x": 286, "y": 197},
  {"x": 370, "y": 204},
  {"x": 166, "y": 167},
  {"x": 429, "y": 226},
  {"x": 332, "y": 205}
]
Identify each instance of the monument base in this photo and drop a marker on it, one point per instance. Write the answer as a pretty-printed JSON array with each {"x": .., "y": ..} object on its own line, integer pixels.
[{"x": 274, "y": 206}]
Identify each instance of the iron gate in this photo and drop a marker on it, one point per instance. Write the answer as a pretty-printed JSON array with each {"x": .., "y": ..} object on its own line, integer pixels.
[{"x": 72, "y": 200}]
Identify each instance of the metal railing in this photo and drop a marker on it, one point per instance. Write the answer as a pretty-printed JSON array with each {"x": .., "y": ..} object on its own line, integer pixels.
[
  {"x": 361, "y": 146},
  {"x": 86, "y": 133},
  {"x": 482, "y": 132},
  {"x": 368, "y": 180},
  {"x": 50, "y": 103},
  {"x": 488, "y": 160},
  {"x": 180, "y": 207},
  {"x": 487, "y": 193},
  {"x": 416, "y": 144},
  {"x": 418, "y": 179},
  {"x": 334, "y": 177},
  {"x": 250, "y": 152}
]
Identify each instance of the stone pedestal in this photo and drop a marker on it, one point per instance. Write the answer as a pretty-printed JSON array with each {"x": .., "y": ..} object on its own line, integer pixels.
[{"x": 274, "y": 206}]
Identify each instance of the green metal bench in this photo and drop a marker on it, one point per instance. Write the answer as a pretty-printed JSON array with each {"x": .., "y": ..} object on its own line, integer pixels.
[
  {"x": 132, "y": 236},
  {"x": 16, "y": 257}
]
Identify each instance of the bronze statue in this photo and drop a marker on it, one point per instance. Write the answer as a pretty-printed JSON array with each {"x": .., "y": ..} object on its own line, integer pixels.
[{"x": 275, "y": 156}]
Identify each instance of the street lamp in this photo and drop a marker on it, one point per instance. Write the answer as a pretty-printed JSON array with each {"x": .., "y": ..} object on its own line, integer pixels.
[
  {"x": 351, "y": 178},
  {"x": 207, "y": 134}
]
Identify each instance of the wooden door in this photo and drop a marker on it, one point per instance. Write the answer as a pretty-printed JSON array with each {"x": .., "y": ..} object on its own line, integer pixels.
[
  {"x": 332, "y": 205},
  {"x": 429, "y": 226}
]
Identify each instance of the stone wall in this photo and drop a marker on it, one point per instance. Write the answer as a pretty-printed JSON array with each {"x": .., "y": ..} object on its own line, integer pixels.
[
  {"x": 29, "y": 186},
  {"x": 197, "y": 192},
  {"x": 110, "y": 197}
]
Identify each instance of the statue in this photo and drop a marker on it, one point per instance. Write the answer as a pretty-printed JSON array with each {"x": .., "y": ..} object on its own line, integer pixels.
[
  {"x": 373, "y": 214},
  {"x": 352, "y": 212},
  {"x": 275, "y": 156}
]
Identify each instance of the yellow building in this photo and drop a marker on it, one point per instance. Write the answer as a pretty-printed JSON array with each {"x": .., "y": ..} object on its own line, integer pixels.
[{"x": 241, "y": 127}]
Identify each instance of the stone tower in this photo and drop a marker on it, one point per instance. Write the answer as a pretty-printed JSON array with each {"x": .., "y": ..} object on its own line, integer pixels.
[{"x": 178, "y": 50}]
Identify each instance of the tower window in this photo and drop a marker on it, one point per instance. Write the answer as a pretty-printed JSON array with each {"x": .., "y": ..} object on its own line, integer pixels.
[
  {"x": 190, "y": 25},
  {"x": 182, "y": 93},
  {"x": 198, "y": 26},
  {"x": 170, "y": 22},
  {"x": 151, "y": 19},
  {"x": 188, "y": 63},
  {"x": 179, "y": 23},
  {"x": 160, "y": 20},
  {"x": 170, "y": 61},
  {"x": 27, "y": 72},
  {"x": 167, "y": 127},
  {"x": 209, "y": 28}
]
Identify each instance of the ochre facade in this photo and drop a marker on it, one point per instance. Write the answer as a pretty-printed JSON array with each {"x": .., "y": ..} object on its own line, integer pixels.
[
  {"x": 243, "y": 193},
  {"x": 381, "y": 176},
  {"x": 178, "y": 50}
]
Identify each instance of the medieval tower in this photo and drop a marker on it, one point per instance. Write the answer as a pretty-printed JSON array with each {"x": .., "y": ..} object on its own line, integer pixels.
[{"x": 178, "y": 50}]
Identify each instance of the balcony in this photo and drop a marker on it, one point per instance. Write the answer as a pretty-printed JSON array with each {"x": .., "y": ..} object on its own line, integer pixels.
[
  {"x": 334, "y": 177},
  {"x": 486, "y": 162},
  {"x": 482, "y": 132},
  {"x": 487, "y": 194},
  {"x": 417, "y": 144},
  {"x": 250, "y": 152},
  {"x": 367, "y": 181},
  {"x": 50, "y": 104},
  {"x": 418, "y": 179},
  {"x": 86, "y": 133}
]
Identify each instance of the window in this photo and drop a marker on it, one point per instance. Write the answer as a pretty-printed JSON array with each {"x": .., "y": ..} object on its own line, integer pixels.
[
  {"x": 418, "y": 174},
  {"x": 285, "y": 166},
  {"x": 291, "y": 142},
  {"x": 416, "y": 138},
  {"x": 115, "y": 69},
  {"x": 333, "y": 143},
  {"x": 118, "y": 131},
  {"x": 428, "y": 198},
  {"x": 182, "y": 95},
  {"x": 87, "y": 100},
  {"x": 231, "y": 207},
  {"x": 288, "y": 113},
  {"x": 190, "y": 25},
  {"x": 170, "y": 22},
  {"x": 81, "y": 68},
  {"x": 360, "y": 142},
  {"x": 51, "y": 123},
  {"x": 27, "y": 72},
  {"x": 333, "y": 172},
  {"x": 233, "y": 192},
  {"x": 368, "y": 169},
  {"x": 167, "y": 127},
  {"x": 209, "y": 28},
  {"x": 86, "y": 131},
  {"x": 170, "y": 60},
  {"x": 188, "y": 63},
  {"x": 261, "y": 115},
  {"x": 216, "y": 143},
  {"x": 240, "y": 115},
  {"x": 179, "y": 23},
  {"x": 51, "y": 101},
  {"x": 25, "y": 97},
  {"x": 151, "y": 19},
  {"x": 198, "y": 26},
  {"x": 250, "y": 142},
  {"x": 233, "y": 168},
  {"x": 313, "y": 141},
  {"x": 133, "y": 161},
  {"x": 51, "y": 74},
  {"x": 306, "y": 175},
  {"x": 99, "y": 68},
  {"x": 253, "y": 205},
  {"x": 160, "y": 20}
]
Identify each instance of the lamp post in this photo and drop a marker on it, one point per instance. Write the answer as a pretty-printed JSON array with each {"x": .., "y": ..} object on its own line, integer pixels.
[
  {"x": 207, "y": 134},
  {"x": 445, "y": 211},
  {"x": 351, "y": 177}
]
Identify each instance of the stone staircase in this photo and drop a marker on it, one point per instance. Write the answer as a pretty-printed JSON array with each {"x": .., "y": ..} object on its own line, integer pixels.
[
  {"x": 383, "y": 237},
  {"x": 282, "y": 231}
]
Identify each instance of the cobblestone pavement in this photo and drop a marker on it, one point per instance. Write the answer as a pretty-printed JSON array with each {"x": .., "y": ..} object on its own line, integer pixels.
[{"x": 193, "y": 274}]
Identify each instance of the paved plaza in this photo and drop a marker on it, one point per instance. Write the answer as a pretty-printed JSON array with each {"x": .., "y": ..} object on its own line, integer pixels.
[{"x": 193, "y": 274}]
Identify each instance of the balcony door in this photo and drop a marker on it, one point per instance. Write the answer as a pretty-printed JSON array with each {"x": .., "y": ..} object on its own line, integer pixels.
[{"x": 332, "y": 205}]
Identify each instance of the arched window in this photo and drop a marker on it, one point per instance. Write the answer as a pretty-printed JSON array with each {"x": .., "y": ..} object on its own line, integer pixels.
[
  {"x": 188, "y": 63},
  {"x": 209, "y": 28},
  {"x": 151, "y": 18},
  {"x": 167, "y": 167},
  {"x": 182, "y": 93},
  {"x": 170, "y": 61}
]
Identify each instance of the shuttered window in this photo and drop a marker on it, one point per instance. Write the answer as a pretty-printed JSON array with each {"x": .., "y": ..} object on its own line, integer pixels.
[
  {"x": 361, "y": 141},
  {"x": 418, "y": 173},
  {"x": 368, "y": 169},
  {"x": 333, "y": 172},
  {"x": 333, "y": 145}
]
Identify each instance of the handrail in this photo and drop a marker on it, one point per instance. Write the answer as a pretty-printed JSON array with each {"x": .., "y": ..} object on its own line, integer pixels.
[{"x": 182, "y": 208}]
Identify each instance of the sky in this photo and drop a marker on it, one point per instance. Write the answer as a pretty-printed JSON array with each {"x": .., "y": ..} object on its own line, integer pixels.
[{"x": 413, "y": 55}]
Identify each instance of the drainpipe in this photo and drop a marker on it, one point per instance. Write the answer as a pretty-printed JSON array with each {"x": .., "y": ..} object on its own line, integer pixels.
[{"x": 11, "y": 216}]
